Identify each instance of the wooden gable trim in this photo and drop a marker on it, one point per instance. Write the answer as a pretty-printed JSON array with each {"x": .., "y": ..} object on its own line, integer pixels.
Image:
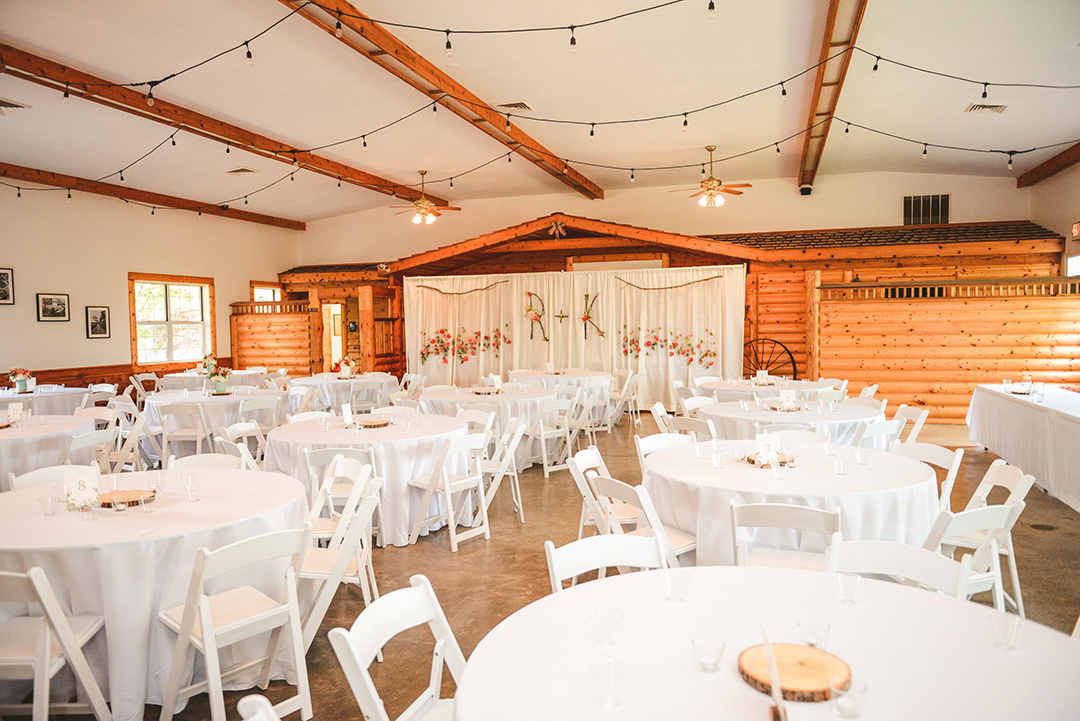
[{"x": 1044, "y": 170}]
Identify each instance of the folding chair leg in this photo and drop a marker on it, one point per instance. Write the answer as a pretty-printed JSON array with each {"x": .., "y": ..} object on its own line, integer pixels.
[
  {"x": 1017, "y": 598},
  {"x": 451, "y": 521},
  {"x": 182, "y": 665},
  {"x": 303, "y": 691}
]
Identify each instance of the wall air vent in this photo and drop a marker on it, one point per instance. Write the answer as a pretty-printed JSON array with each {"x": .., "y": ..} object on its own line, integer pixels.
[
  {"x": 926, "y": 209},
  {"x": 7, "y": 107},
  {"x": 519, "y": 105},
  {"x": 240, "y": 171},
  {"x": 983, "y": 108}
]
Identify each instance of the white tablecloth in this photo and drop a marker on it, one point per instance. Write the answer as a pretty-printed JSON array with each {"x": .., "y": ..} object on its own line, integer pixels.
[
  {"x": 806, "y": 390},
  {"x": 399, "y": 457},
  {"x": 1042, "y": 439},
  {"x": 572, "y": 377},
  {"x": 128, "y": 566},
  {"x": 922, "y": 655},
  {"x": 219, "y": 411},
  {"x": 195, "y": 381},
  {"x": 891, "y": 498},
  {"x": 839, "y": 425},
  {"x": 334, "y": 390},
  {"x": 46, "y": 400},
  {"x": 38, "y": 444}
]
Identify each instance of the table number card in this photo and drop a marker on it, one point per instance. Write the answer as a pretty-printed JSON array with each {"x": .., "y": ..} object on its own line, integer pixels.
[
  {"x": 787, "y": 396},
  {"x": 14, "y": 413},
  {"x": 81, "y": 488},
  {"x": 765, "y": 453},
  {"x": 762, "y": 377},
  {"x": 346, "y": 413}
]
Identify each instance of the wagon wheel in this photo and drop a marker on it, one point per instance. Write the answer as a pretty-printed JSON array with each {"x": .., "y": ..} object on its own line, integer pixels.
[{"x": 765, "y": 354}]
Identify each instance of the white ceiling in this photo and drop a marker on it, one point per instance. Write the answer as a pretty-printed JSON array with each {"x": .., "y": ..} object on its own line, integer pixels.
[{"x": 308, "y": 89}]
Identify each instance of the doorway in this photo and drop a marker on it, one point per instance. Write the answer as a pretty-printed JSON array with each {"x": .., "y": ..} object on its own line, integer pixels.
[{"x": 333, "y": 334}]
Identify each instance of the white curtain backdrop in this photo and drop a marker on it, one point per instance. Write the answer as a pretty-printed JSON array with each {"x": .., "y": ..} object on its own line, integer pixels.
[{"x": 662, "y": 323}]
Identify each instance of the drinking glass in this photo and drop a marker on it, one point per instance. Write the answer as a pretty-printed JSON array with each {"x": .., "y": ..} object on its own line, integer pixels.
[
  {"x": 610, "y": 676},
  {"x": 847, "y": 697},
  {"x": 847, "y": 587},
  {"x": 607, "y": 621},
  {"x": 708, "y": 652},
  {"x": 814, "y": 633}
]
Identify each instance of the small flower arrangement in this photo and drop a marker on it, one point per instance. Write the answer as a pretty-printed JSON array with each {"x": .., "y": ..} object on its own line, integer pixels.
[
  {"x": 219, "y": 374},
  {"x": 346, "y": 361},
  {"x": 19, "y": 374}
]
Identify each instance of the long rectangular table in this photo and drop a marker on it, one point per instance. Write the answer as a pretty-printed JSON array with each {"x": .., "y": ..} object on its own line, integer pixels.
[{"x": 1042, "y": 439}]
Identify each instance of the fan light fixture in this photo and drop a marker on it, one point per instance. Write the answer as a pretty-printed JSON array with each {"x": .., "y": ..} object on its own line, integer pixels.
[
  {"x": 425, "y": 209},
  {"x": 710, "y": 187}
]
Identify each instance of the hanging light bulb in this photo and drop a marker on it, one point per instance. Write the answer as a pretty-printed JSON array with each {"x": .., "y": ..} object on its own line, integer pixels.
[
  {"x": 1011, "y": 153},
  {"x": 295, "y": 162},
  {"x": 508, "y": 122},
  {"x": 337, "y": 28},
  {"x": 251, "y": 60},
  {"x": 69, "y": 193},
  {"x": 339, "y": 182},
  {"x": 510, "y": 157},
  {"x": 19, "y": 193},
  {"x": 685, "y": 122},
  {"x": 150, "y": 97},
  {"x": 173, "y": 139},
  {"x": 245, "y": 200},
  {"x": 200, "y": 212},
  {"x": 924, "y": 155},
  {"x": 783, "y": 92},
  {"x": 121, "y": 176},
  {"x": 435, "y": 106},
  {"x": 777, "y": 148},
  {"x": 631, "y": 175},
  {"x": 227, "y": 146},
  {"x": 451, "y": 182},
  {"x": 417, "y": 219},
  {"x": 152, "y": 211},
  {"x": 573, "y": 40},
  {"x": 847, "y": 130},
  {"x": 592, "y": 132},
  {"x": 984, "y": 90},
  {"x": 873, "y": 71},
  {"x": 712, "y": 10},
  {"x": 703, "y": 170},
  {"x": 364, "y": 138},
  {"x": 449, "y": 47},
  {"x": 66, "y": 93},
  {"x": 292, "y": 177}
]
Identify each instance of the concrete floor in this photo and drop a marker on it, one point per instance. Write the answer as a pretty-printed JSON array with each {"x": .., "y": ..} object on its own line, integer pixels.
[{"x": 486, "y": 581}]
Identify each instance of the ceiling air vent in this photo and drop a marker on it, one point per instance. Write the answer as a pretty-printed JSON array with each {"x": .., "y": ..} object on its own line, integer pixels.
[
  {"x": 983, "y": 108},
  {"x": 240, "y": 171},
  {"x": 517, "y": 105},
  {"x": 7, "y": 107}
]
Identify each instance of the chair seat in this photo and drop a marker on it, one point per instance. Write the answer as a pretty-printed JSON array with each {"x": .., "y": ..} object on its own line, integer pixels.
[
  {"x": 18, "y": 640},
  {"x": 228, "y": 607},
  {"x": 340, "y": 491},
  {"x": 681, "y": 542},
  {"x": 319, "y": 562},
  {"x": 323, "y": 527},
  {"x": 456, "y": 482},
  {"x": 626, "y": 513},
  {"x": 966, "y": 540},
  {"x": 780, "y": 558}
]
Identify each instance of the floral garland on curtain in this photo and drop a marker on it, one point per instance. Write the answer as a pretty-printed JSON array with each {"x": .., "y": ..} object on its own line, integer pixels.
[
  {"x": 683, "y": 345},
  {"x": 586, "y": 316},
  {"x": 462, "y": 345},
  {"x": 534, "y": 315}
]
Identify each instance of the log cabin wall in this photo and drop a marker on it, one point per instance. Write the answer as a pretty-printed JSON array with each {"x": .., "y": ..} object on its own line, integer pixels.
[
  {"x": 275, "y": 335},
  {"x": 929, "y": 344},
  {"x": 119, "y": 373}
]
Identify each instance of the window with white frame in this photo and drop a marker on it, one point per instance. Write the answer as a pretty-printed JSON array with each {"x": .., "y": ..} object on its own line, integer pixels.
[
  {"x": 172, "y": 318},
  {"x": 263, "y": 294}
]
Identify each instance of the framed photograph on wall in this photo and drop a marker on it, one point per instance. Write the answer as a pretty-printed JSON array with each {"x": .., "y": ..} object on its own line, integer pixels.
[
  {"x": 7, "y": 286},
  {"x": 98, "y": 324},
  {"x": 53, "y": 307}
]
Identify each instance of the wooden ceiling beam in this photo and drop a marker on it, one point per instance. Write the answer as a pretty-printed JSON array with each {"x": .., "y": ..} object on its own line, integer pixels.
[
  {"x": 654, "y": 237},
  {"x": 406, "y": 64},
  {"x": 841, "y": 30},
  {"x": 27, "y": 66},
  {"x": 540, "y": 245},
  {"x": 1044, "y": 170},
  {"x": 58, "y": 180}
]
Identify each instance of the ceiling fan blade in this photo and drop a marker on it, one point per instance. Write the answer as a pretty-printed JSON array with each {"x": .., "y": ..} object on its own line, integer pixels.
[
  {"x": 684, "y": 190},
  {"x": 738, "y": 185},
  {"x": 446, "y": 207},
  {"x": 403, "y": 212},
  {"x": 731, "y": 192},
  {"x": 401, "y": 206},
  {"x": 697, "y": 194}
]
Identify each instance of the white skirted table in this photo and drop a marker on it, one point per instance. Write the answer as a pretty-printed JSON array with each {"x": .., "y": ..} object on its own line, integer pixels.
[
  {"x": 839, "y": 424},
  {"x": 804, "y": 389},
  {"x": 128, "y": 566},
  {"x": 922, "y": 655},
  {"x": 1042, "y": 439},
  {"x": 45, "y": 400},
  {"x": 889, "y": 498},
  {"x": 217, "y": 410},
  {"x": 38, "y": 443},
  {"x": 197, "y": 381},
  {"x": 576, "y": 377},
  {"x": 335, "y": 390},
  {"x": 400, "y": 456}
]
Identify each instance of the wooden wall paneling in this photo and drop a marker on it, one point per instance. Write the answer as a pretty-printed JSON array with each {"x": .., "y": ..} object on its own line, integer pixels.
[
  {"x": 813, "y": 280},
  {"x": 118, "y": 373},
  {"x": 781, "y": 312},
  {"x": 275, "y": 335},
  {"x": 750, "y": 328}
]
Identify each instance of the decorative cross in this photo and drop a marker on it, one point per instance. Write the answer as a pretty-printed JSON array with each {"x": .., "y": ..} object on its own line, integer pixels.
[{"x": 562, "y": 316}]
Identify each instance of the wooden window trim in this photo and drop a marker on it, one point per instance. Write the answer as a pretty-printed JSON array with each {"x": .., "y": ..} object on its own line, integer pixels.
[
  {"x": 264, "y": 284},
  {"x": 158, "y": 278}
]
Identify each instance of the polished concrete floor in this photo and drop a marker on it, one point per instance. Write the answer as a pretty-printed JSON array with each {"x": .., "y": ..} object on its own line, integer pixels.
[{"x": 485, "y": 581}]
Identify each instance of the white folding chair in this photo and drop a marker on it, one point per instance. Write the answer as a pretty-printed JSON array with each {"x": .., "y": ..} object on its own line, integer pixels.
[
  {"x": 836, "y": 383},
  {"x": 660, "y": 415},
  {"x": 226, "y": 617},
  {"x": 104, "y": 416},
  {"x": 36, "y": 648},
  {"x": 674, "y": 542},
  {"x": 204, "y": 460},
  {"x": 603, "y": 401},
  {"x": 700, "y": 430},
  {"x": 406, "y": 403},
  {"x": 256, "y": 708},
  {"x": 138, "y": 380},
  {"x": 657, "y": 441},
  {"x": 869, "y": 391},
  {"x": 551, "y": 425},
  {"x": 767, "y": 427},
  {"x": 243, "y": 432},
  {"x": 731, "y": 396},
  {"x": 252, "y": 409},
  {"x": 936, "y": 456},
  {"x": 350, "y": 471},
  {"x": 868, "y": 402},
  {"x": 92, "y": 398},
  {"x": 395, "y": 612},
  {"x": 478, "y": 420},
  {"x": 890, "y": 558},
  {"x": 47, "y": 476},
  {"x": 889, "y": 431},
  {"x": 697, "y": 382},
  {"x": 595, "y": 553},
  {"x": 581, "y": 421},
  {"x": 834, "y": 395},
  {"x": 503, "y": 464},
  {"x": 302, "y": 398},
  {"x": 679, "y": 392},
  {"x": 798, "y": 519},
  {"x": 239, "y": 451},
  {"x": 172, "y": 384},
  {"x": 365, "y": 395},
  {"x": 916, "y": 416},
  {"x": 437, "y": 388},
  {"x": 308, "y": 416},
  {"x": 591, "y": 514},
  {"x": 447, "y": 485},
  {"x": 688, "y": 407},
  {"x": 172, "y": 430},
  {"x": 102, "y": 443},
  {"x": 625, "y": 399}
]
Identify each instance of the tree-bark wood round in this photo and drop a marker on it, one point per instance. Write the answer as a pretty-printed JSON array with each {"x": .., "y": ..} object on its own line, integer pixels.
[{"x": 804, "y": 671}]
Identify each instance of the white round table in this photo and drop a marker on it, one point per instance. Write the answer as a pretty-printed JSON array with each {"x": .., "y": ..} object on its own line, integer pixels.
[
  {"x": 572, "y": 377},
  {"x": 335, "y": 390},
  {"x": 46, "y": 400},
  {"x": 890, "y": 498},
  {"x": 805, "y": 390},
  {"x": 839, "y": 425},
  {"x": 400, "y": 456},
  {"x": 922, "y": 655},
  {"x": 218, "y": 411},
  {"x": 195, "y": 381},
  {"x": 128, "y": 566},
  {"x": 38, "y": 444}
]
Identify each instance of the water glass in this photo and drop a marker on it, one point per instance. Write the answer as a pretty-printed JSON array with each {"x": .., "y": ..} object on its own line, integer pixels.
[
  {"x": 848, "y": 586},
  {"x": 860, "y": 459},
  {"x": 674, "y": 584},
  {"x": 1005, "y": 629},
  {"x": 48, "y": 505},
  {"x": 607, "y": 621},
  {"x": 814, "y": 633},
  {"x": 1008, "y": 384},
  {"x": 715, "y": 460},
  {"x": 610, "y": 677},
  {"x": 146, "y": 503},
  {"x": 847, "y": 696},
  {"x": 708, "y": 652},
  {"x": 120, "y": 502},
  {"x": 838, "y": 466},
  {"x": 828, "y": 448}
]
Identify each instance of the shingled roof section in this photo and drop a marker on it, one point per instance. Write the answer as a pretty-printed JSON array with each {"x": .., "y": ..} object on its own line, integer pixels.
[{"x": 892, "y": 235}]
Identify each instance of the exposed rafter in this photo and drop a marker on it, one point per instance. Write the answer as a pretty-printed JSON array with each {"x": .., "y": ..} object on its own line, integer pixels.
[
  {"x": 1056, "y": 164},
  {"x": 44, "y": 177},
  {"x": 22, "y": 64},
  {"x": 390, "y": 53},
  {"x": 841, "y": 30}
]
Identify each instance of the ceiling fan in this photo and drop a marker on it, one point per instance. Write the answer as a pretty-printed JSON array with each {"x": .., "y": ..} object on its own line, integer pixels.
[
  {"x": 711, "y": 188},
  {"x": 425, "y": 211}
]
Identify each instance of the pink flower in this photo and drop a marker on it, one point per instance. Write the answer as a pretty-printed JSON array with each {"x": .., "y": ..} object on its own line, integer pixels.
[
  {"x": 671, "y": 353},
  {"x": 445, "y": 361}
]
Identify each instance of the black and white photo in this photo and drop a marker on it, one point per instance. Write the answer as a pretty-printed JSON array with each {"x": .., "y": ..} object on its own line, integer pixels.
[
  {"x": 52, "y": 307},
  {"x": 97, "y": 321},
  {"x": 7, "y": 286}
]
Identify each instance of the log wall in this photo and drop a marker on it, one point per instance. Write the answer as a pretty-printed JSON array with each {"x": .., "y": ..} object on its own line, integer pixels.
[
  {"x": 929, "y": 344},
  {"x": 275, "y": 335}
]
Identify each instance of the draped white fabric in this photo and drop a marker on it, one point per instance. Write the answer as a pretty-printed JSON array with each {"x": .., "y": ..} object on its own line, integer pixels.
[{"x": 694, "y": 317}]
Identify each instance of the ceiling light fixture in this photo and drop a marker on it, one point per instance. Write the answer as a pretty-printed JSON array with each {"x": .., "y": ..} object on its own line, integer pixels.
[
  {"x": 710, "y": 189},
  {"x": 573, "y": 40},
  {"x": 66, "y": 93},
  {"x": 251, "y": 60},
  {"x": 424, "y": 211},
  {"x": 337, "y": 28},
  {"x": 712, "y": 10},
  {"x": 449, "y": 47},
  {"x": 783, "y": 91}
]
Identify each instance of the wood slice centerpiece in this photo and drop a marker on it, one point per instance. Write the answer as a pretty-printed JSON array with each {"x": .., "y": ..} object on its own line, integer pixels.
[
  {"x": 784, "y": 460},
  {"x": 804, "y": 671},
  {"x": 374, "y": 423},
  {"x": 132, "y": 497},
  {"x": 486, "y": 391}
]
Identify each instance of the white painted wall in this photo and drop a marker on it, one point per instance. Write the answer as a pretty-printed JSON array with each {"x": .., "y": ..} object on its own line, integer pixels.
[
  {"x": 86, "y": 247},
  {"x": 1055, "y": 204},
  {"x": 840, "y": 201}
]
